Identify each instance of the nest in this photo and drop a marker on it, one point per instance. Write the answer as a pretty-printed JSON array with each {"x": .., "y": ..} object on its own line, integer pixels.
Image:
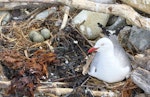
[{"x": 53, "y": 67}]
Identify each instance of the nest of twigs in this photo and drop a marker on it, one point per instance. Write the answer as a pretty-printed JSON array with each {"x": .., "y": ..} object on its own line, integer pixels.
[{"x": 52, "y": 67}]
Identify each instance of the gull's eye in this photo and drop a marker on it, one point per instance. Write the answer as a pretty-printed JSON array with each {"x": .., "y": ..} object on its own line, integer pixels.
[
  {"x": 95, "y": 70},
  {"x": 102, "y": 44}
]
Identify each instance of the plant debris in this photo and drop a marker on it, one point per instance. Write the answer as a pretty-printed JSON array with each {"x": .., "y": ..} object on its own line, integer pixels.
[
  {"x": 51, "y": 68},
  {"x": 28, "y": 71}
]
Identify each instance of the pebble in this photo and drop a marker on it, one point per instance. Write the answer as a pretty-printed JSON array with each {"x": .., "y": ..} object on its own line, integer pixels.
[
  {"x": 44, "y": 14},
  {"x": 119, "y": 23},
  {"x": 6, "y": 18},
  {"x": 87, "y": 22}
]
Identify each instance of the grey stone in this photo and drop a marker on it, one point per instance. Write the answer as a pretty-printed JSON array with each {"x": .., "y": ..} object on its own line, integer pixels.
[
  {"x": 6, "y": 17},
  {"x": 87, "y": 21},
  {"x": 119, "y": 23},
  {"x": 140, "y": 38}
]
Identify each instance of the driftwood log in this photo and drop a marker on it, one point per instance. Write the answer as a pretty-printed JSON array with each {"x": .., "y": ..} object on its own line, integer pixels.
[
  {"x": 141, "y": 78},
  {"x": 116, "y": 9},
  {"x": 143, "y": 5},
  {"x": 52, "y": 88}
]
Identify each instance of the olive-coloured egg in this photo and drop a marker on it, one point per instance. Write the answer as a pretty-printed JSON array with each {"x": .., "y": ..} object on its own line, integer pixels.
[
  {"x": 45, "y": 33},
  {"x": 31, "y": 34},
  {"x": 38, "y": 38}
]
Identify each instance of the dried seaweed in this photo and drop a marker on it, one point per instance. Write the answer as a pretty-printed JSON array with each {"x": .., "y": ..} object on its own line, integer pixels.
[{"x": 28, "y": 71}]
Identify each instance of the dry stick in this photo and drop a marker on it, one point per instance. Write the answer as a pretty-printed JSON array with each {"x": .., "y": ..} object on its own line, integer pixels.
[
  {"x": 87, "y": 65},
  {"x": 26, "y": 54},
  {"x": 62, "y": 91},
  {"x": 65, "y": 18},
  {"x": 117, "y": 9},
  {"x": 58, "y": 91},
  {"x": 4, "y": 84}
]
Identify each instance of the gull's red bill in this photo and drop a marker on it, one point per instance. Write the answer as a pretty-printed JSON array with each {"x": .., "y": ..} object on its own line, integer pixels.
[{"x": 92, "y": 50}]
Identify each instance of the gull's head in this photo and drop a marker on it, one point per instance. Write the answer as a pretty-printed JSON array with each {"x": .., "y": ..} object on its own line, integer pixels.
[{"x": 103, "y": 44}]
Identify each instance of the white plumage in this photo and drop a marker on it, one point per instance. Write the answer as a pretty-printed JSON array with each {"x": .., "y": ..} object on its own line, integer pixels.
[{"x": 110, "y": 63}]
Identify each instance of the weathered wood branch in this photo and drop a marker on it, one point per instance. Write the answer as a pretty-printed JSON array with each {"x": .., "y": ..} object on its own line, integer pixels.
[
  {"x": 116, "y": 9},
  {"x": 143, "y": 5},
  {"x": 141, "y": 78},
  {"x": 58, "y": 91},
  {"x": 62, "y": 91}
]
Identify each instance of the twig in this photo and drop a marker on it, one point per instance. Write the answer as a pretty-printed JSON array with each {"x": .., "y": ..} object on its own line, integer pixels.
[
  {"x": 65, "y": 18},
  {"x": 4, "y": 84},
  {"x": 58, "y": 91},
  {"x": 66, "y": 78},
  {"x": 49, "y": 45},
  {"x": 62, "y": 91},
  {"x": 87, "y": 65},
  {"x": 26, "y": 54}
]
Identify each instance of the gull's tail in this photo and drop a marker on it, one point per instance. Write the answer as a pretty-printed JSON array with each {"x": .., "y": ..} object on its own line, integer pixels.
[{"x": 109, "y": 32}]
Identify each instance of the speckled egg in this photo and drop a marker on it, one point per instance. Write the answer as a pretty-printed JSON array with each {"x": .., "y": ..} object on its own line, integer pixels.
[
  {"x": 45, "y": 33},
  {"x": 31, "y": 34},
  {"x": 38, "y": 38}
]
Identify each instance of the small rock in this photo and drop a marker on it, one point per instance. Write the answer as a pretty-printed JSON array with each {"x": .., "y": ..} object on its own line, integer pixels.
[
  {"x": 38, "y": 38},
  {"x": 43, "y": 15},
  {"x": 88, "y": 23},
  {"x": 45, "y": 33},
  {"x": 140, "y": 38},
  {"x": 141, "y": 78},
  {"x": 112, "y": 20},
  {"x": 119, "y": 23},
  {"x": 87, "y": 20},
  {"x": 6, "y": 17}
]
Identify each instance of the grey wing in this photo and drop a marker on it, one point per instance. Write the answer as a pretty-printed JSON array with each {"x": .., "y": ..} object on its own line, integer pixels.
[{"x": 119, "y": 51}]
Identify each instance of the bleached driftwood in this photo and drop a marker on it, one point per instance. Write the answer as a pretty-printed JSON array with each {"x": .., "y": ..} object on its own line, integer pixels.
[
  {"x": 51, "y": 88},
  {"x": 62, "y": 91},
  {"x": 65, "y": 18},
  {"x": 117, "y": 9},
  {"x": 4, "y": 84},
  {"x": 141, "y": 78},
  {"x": 143, "y": 5}
]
